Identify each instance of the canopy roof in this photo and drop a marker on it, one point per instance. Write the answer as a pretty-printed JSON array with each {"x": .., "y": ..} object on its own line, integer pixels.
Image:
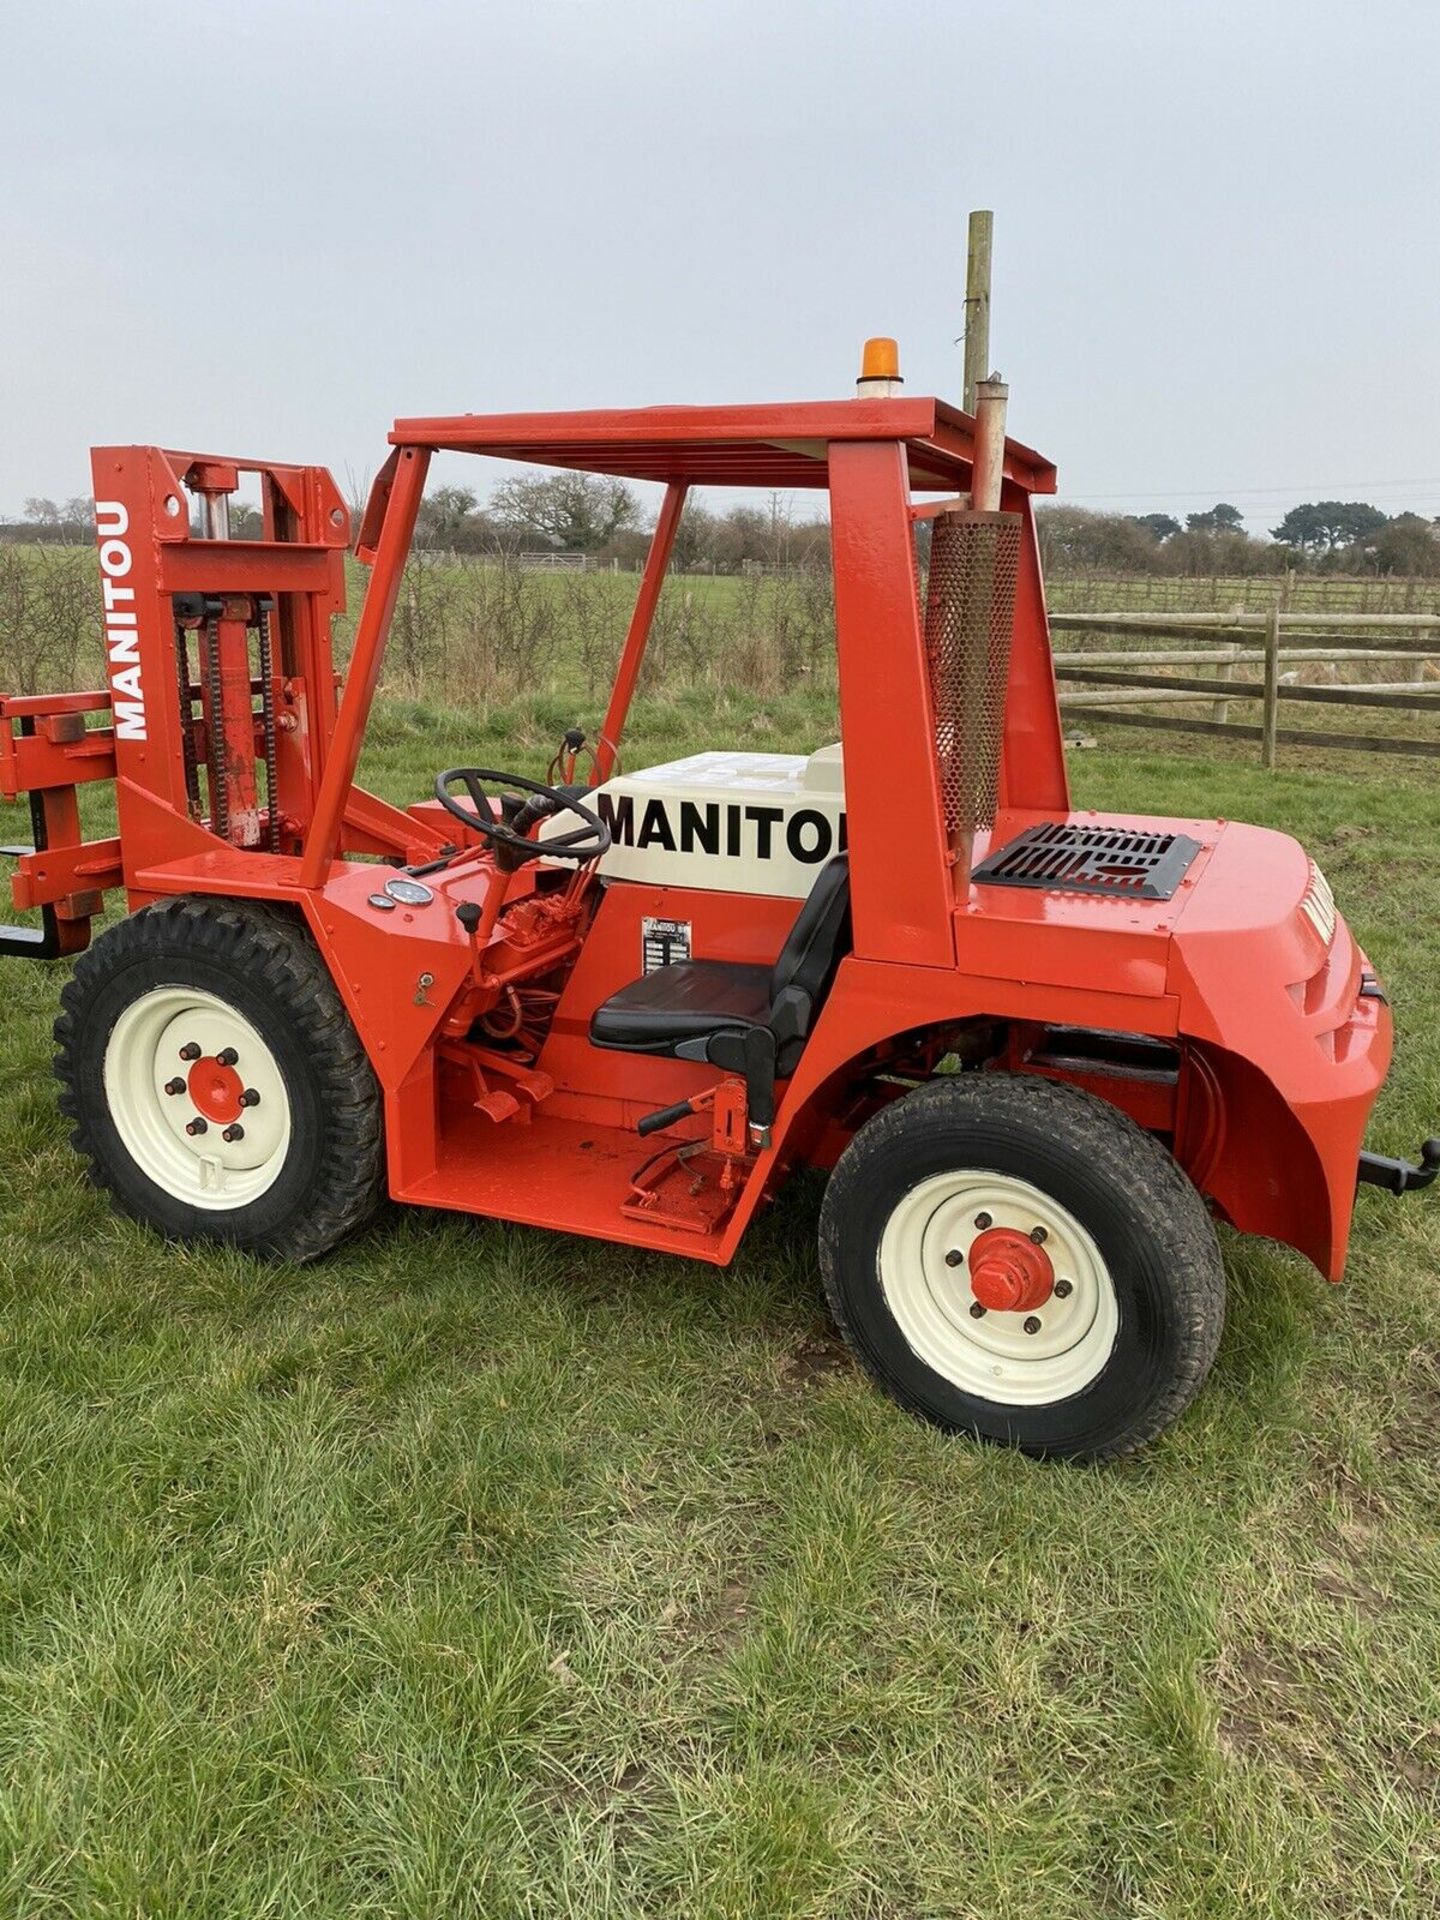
[{"x": 775, "y": 446}]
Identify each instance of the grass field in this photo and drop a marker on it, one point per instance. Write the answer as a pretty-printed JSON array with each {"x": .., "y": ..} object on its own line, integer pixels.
[
  {"x": 475, "y": 633},
  {"x": 482, "y": 1572}
]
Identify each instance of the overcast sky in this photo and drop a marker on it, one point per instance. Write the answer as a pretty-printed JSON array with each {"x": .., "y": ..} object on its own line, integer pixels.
[{"x": 270, "y": 226}]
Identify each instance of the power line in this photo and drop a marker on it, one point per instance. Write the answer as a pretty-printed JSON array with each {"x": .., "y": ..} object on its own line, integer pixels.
[{"x": 1247, "y": 493}]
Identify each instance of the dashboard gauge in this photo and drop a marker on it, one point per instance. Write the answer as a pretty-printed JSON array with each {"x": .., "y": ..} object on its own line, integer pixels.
[
  {"x": 381, "y": 902},
  {"x": 410, "y": 893}
]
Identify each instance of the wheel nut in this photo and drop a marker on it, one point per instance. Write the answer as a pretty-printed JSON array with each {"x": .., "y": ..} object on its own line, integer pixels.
[
  {"x": 172, "y": 1087},
  {"x": 1064, "y": 1289},
  {"x": 197, "y": 1125},
  {"x": 982, "y": 1221},
  {"x": 226, "y": 1057},
  {"x": 1039, "y": 1236},
  {"x": 954, "y": 1257},
  {"x": 1032, "y": 1325},
  {"x": 190, "y": 1051},
  {"x": 977, "y": 1312},
  {"x": 233, "y": 1133},
  {"x": 249, "y": 1098}
]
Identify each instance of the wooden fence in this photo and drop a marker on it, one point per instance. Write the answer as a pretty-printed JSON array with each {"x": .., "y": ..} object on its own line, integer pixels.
[
  {"x": 547, "y": 560},
  {"x": 1250, "y": 658}
]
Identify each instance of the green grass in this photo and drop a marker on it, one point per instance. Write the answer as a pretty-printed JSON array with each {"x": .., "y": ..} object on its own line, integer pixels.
[{"x": 479, "y": 1571}]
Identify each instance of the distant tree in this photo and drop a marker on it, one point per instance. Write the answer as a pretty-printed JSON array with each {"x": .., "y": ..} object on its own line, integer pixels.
[
  {"x": 1321, "y": 526},
  {"x": 1408, "y": 544},
  {"x": 576, "y": 512},
  {"x": 810, "y": 545},
  {"x": 1162, "y": 525},
  {"x": 694, "y": 538},
  {"x": 443, "y": 514},
  {"x": 630, "y": 547},
  {"x": 78, "y": 516},
  {"x": 743, "y": 534},
  {"x": 67, "y": 522},
  {"x": 1217, "y": 555},
  {"x": 1360, "y": 523},
  {"x": 1221, "y": 518},
  {"x": 246, "y": 522},
  {"x": 1076, "y": 538},
  {"x": 357, "y": 495},
  {"x": 1303, "y": 528}
]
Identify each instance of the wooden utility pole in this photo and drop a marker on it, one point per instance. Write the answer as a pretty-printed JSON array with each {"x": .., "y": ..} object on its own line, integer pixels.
[{"x": 977, "y": 305}]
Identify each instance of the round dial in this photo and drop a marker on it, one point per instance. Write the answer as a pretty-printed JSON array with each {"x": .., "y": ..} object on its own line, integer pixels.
[{"x": 410, "y": 893}]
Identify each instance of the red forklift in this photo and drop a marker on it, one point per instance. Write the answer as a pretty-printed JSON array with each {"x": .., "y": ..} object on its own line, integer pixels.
[{"x": 1037, "y": 1051}]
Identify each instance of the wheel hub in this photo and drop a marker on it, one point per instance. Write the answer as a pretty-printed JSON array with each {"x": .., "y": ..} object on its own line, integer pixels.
[
  {"x": 1026, "y": 1315},
  {"x": 1009, "y": 1273},
  {"x": 197, "y": 1097},
  {"x": 215, "y": 1090}
]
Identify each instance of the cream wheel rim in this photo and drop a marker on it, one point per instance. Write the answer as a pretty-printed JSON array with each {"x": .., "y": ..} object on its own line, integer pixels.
[
  {"x": 1016, "y": 1358},
  {"x": 197, "y": 1098}
]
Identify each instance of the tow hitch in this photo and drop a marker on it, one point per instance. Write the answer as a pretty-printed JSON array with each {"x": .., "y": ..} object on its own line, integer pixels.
[{"x": 1400, "y": 1176}]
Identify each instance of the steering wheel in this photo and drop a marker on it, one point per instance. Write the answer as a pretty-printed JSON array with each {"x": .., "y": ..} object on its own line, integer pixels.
[{"x": 509, "y": 837}]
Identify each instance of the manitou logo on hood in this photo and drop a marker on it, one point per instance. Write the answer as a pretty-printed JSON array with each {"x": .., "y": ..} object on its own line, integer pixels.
[
  {"x": 122, "y": 637},
  {"x": 713, "y": 826}
]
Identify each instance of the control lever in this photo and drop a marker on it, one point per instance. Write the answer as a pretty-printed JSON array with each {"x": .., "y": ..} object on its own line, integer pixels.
[
  {"x": 730, "y": 1137},
  {"x": 479, "y": 923}
]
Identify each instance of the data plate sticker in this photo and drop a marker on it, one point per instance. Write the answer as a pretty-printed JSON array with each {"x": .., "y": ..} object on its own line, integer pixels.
[{"x": 663, "y": 942}]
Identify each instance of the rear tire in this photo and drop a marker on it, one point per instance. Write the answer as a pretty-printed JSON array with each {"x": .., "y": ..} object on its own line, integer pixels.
[
  {"x": 217, "y": 1086},
  {"x": 1080, "y": 1206}
]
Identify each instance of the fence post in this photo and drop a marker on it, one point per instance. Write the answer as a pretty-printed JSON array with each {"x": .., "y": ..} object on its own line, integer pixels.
[
  {"x": 1226, "y": 671},
  {"x": 1272, "y": 685}
]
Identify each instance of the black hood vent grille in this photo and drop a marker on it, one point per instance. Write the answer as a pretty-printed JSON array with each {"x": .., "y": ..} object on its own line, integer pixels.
[{"x": 1069, "y": 858}]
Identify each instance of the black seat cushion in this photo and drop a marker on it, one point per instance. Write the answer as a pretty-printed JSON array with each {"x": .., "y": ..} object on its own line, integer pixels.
[
  {"x": 685, "y": 1001},
  {"x": 700, "y": 999}
]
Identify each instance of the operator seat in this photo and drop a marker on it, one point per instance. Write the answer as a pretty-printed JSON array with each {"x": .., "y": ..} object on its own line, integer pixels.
[{"x": 751, "y": 1020}]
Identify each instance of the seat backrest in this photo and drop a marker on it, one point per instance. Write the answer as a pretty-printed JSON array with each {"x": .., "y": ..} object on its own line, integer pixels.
[{"x": 820, "y": 936}]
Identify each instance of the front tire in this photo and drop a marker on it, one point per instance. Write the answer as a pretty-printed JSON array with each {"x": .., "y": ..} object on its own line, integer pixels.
[
  {"x": 1010, "y": 1257},
  {"x": 216, "y": 1084}
]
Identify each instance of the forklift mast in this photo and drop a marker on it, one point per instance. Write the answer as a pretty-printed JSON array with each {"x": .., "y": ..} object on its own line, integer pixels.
[{"x": 217, "y": 720}]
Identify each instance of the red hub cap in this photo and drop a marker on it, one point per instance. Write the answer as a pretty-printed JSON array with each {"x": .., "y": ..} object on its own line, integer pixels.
[
  {"x": 215, "y": 1090},
  {"x": 1008, "y": 1272}
]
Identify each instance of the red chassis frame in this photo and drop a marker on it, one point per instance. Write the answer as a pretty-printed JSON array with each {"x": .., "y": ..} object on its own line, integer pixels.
[{"x": 1279, "y": 1050}]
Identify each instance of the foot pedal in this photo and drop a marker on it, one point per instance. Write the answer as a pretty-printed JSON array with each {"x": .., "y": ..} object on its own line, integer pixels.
[
  {"x": 689, "y": 1188},
  {"x": 497, "y": 1105}
]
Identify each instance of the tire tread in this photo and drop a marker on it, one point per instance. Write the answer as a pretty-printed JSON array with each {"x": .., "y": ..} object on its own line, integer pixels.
[
  {"x": 1108, "y": 1139},
  {"x": 268, "y": 944}
]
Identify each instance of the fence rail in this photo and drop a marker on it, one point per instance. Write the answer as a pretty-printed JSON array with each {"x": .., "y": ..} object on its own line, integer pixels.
[{"x": 1107, "y": 681}]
